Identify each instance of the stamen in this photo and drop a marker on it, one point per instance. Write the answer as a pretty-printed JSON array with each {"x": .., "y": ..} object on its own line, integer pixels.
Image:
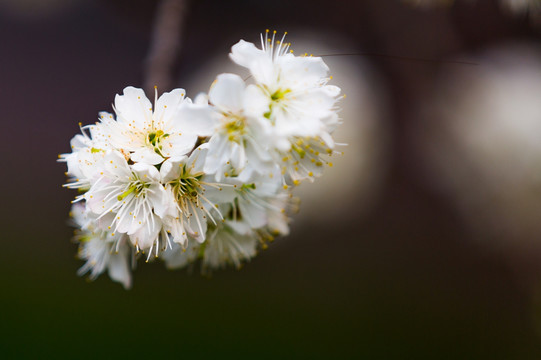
[{"x": 126, "y": 193}]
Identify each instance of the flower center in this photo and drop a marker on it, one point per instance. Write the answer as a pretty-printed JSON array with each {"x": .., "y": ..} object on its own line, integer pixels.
[
  {"x": 248, "y": 186},
  {"x": 187, "y": 187},
  {"x": 155, "y": 139},
  {"x": 279, "y": 94},
  {"x": 136, "y": 186},
  {"x": 277, "y": 99},
  {"x": 234, "y": 127},
  {"x": 189, "y": 192}
]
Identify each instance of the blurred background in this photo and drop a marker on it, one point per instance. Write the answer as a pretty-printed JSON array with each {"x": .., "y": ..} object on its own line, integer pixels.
[{"x": 422, "y": 242}]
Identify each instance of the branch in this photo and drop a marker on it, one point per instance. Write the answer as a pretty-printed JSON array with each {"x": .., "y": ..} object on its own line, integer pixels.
[{"x": 165, "y": 44}]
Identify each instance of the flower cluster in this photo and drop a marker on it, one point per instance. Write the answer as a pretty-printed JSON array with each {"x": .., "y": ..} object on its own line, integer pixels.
[{"x": 208, "y": 179}]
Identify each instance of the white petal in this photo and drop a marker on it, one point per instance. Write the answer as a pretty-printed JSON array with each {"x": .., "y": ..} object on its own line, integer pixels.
[
  {"x": 196, "y": 161},
  {"x": 197, "y": 224},
  {"x": 133, "y": 107},
  {"x": 178, "y": 144},
  {"x": 115, "y": 165},
  {"x": 201, "y": 99},
  {"x": 254, "y": 215},
  {"x": 132, "y": 220},
  {"x": 146, "y": 172},
  {"x": 146, "y": 155},
  {"x": 119, "y": 269},
  {"x": 170, "y": 169},
  {"x": 332, "y": 90},
  {"x": 158, "y": 197},
  {"x": 147, "y": 235},
  {"x": 218, "y": 149},
  {"x": 257, "y": 103},
  {"x": 265, "y": 71},
  {"x": 245, "y": 53},
  {"x": 224, "y": 196},
  {"x": 239, "y": 227},
  {"x": 176, "y": 257},
  {"x": 194, "y": 119},
  {"x": 308, "y": 71},
  {"x": 167, "y": 105},
  {"x": 238, "y": 156},
  {"x": 227, "y": 92},
  {"x": 176, "y": 229}
]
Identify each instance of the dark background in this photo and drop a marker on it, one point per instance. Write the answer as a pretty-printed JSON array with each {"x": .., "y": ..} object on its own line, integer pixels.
[{"x": 404, "y": 280}]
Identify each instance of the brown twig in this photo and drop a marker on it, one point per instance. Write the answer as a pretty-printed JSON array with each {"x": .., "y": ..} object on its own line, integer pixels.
[{"x": 165, "y": 44}]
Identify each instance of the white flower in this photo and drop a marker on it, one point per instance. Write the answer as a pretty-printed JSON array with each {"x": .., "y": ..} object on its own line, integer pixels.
[
  {"x": 128, "y": 199},
  {"x": 238, "y": 138},
  {"x": 305, "y": 160},
  {"x": 227, "y": 243},
  {"x": 102, "y": 254},
  {"x": 101, "y": 250},
  {"x": 291, "y": 91},
  {"x": 247, "y": 199},
  {"x": 83, "y": 161},
  {"x": 226, "y": 246},
  {"x": 278, "y": 220},
  {"x": 179, "y": 256},
  {"x": 147, "y": 136},
  {"x": 292, "y": 94},
  {"x": 188, "y": 208}
]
